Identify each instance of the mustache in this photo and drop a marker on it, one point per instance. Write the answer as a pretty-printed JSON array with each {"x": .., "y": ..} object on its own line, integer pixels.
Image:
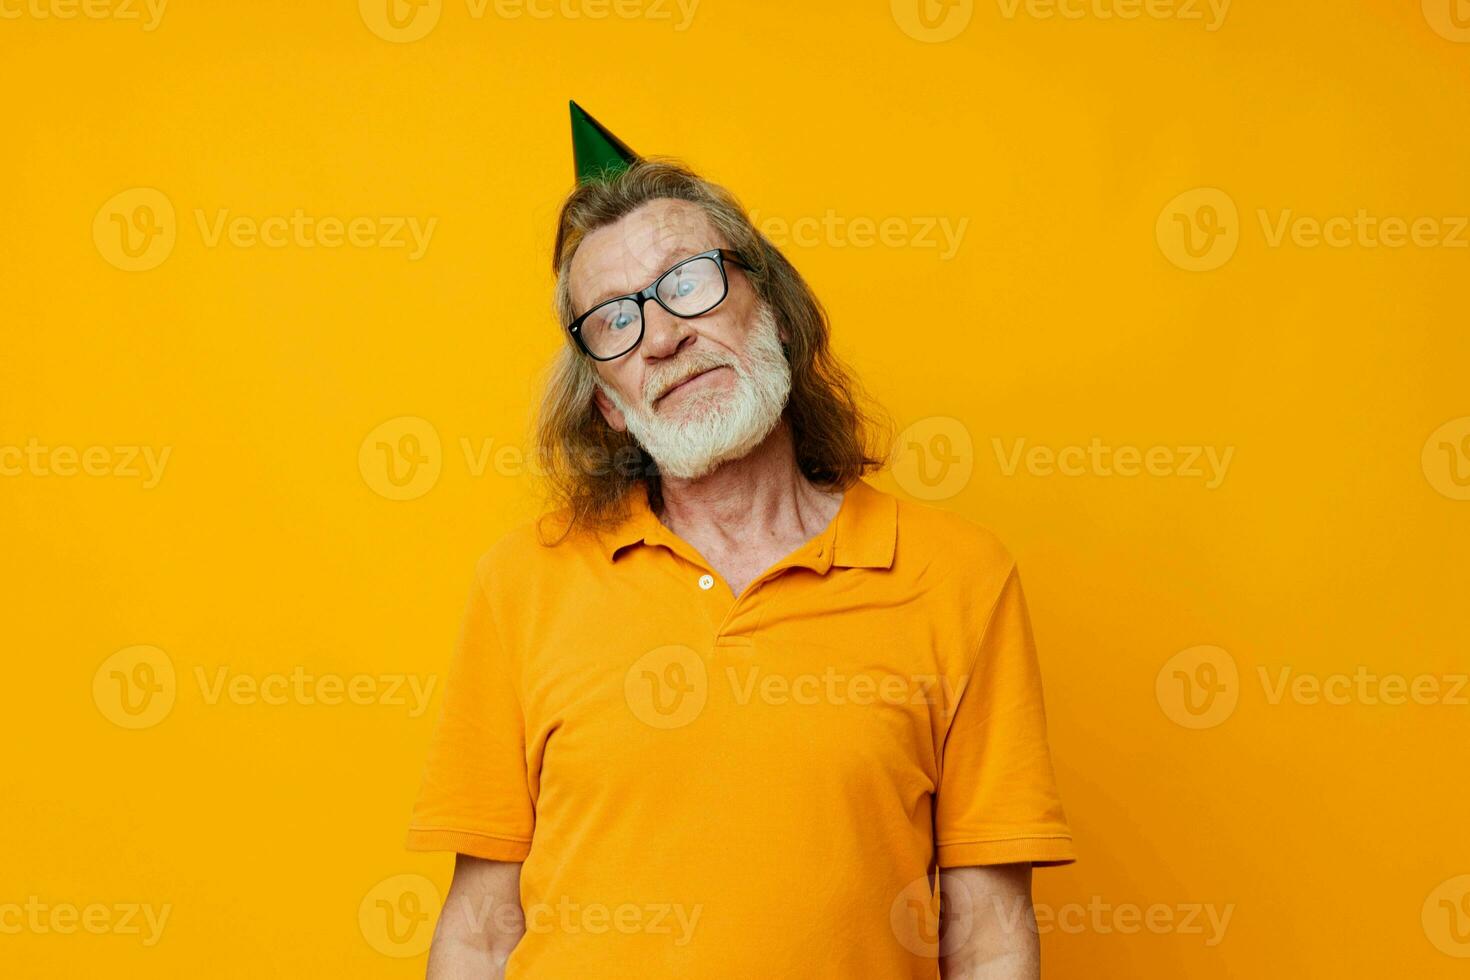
[{"x": 671, "y": 377}]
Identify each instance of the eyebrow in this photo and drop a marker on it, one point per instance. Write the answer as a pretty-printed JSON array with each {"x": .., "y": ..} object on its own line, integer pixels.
[{"x": 666, "y": 259}]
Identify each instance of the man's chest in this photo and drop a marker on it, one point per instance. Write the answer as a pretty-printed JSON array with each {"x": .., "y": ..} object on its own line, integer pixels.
[
  {"x": 738, "y": 568},
  {"x": 807, "y": 678}
]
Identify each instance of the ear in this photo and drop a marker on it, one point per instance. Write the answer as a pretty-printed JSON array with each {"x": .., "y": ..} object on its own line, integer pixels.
[{"x": 609, "y": 411}]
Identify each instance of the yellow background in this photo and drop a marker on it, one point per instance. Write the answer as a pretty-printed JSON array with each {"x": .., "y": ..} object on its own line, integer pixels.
[{"x": 1334, "y": 544}]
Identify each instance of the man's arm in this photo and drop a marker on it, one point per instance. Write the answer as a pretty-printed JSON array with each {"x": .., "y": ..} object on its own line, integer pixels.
[
  {"x": 481, "y": 921},
  {"x": 990, "y": 923}
]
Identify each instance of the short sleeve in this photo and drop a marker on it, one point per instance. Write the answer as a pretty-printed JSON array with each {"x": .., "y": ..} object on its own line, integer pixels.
[
  {"x": 997, "y": 801},
  {"x": 475, "y": 797}
]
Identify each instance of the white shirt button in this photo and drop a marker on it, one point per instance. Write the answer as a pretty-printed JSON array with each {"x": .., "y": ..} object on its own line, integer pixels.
[{"x": 706, "y": 582}]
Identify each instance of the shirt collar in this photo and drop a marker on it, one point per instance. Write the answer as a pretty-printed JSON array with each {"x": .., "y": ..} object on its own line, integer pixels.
[{"x": 863, "y": 534}]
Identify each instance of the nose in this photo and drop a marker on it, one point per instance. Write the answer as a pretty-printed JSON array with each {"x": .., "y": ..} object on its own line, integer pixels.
[{"x": 664, "y": 334}]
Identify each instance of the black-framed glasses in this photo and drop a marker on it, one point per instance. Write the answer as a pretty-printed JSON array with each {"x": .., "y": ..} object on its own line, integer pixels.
[{"x": 691, "y": 288}]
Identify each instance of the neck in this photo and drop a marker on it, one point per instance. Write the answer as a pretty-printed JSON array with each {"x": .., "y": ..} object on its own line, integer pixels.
[{"x": 761, "y": 497}]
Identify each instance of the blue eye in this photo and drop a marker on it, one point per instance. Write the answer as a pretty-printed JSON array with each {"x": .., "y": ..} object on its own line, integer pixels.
[
  {"x": 621, "y": 320},
  {"x": 686, "y": 287}
]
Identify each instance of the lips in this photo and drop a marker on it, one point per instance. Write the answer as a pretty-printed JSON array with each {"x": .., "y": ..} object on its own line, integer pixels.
[{"x": 676, "y": 387}]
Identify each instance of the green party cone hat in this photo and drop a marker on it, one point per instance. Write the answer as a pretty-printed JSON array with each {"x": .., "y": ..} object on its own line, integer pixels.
[{"x": 598, "y": 153}]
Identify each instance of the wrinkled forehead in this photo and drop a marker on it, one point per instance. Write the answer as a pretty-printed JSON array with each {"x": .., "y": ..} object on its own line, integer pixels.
[{"x": 628, "y": 254}]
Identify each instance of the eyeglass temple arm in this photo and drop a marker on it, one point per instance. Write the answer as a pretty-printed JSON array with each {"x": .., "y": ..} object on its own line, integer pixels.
[{"x": 731, "y": 255}]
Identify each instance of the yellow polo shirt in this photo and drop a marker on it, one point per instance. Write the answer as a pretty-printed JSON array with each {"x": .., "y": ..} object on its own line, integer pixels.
[{"x": 705, "y": 785}]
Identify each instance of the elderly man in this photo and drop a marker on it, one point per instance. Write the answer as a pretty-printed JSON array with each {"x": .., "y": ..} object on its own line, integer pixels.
[{"x": 729, "y": 710}]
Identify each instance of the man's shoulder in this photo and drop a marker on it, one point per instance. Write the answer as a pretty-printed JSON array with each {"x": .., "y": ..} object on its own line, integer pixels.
[
  {"x": 956, "y": 565},
  {"x": 940, "y": 532},
  {"x": 532, "y": 547},
  {"x": 951, "y": 551}
]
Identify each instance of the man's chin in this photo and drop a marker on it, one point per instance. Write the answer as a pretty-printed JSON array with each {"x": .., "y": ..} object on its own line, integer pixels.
[
  {"x": 688, "y": 471},
  {"x": 688, "y": 409}
]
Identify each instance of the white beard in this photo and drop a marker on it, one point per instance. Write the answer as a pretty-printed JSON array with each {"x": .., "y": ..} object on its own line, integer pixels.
[{"x": 714, "y": 427}]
